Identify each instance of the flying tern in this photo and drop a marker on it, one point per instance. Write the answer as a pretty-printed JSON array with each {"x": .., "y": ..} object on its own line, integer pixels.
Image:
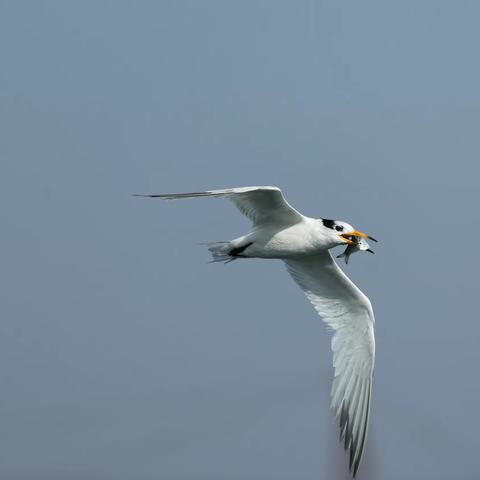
[{"x": 303, "y": 243}]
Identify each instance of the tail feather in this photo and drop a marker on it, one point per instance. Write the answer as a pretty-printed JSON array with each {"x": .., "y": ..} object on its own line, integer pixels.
[{"x": 220, "y": 252}]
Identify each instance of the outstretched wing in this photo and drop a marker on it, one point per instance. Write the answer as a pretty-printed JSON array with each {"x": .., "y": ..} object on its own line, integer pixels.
[
  {"x": 260, "y": 204},
  {"x": 348, "y": 312}
]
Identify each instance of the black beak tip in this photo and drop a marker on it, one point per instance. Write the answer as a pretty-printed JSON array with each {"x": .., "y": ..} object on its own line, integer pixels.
[
  {"x": 371, "y": 251},
  {"x": 373, "y": 239}
]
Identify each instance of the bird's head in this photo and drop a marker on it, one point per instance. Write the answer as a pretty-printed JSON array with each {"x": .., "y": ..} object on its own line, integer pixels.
[{"x": 341, "y": 233}]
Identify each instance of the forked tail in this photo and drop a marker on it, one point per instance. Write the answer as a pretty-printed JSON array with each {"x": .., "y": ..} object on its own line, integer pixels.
[
  {"x": 220, "y": 252},
  {"x": 226, "y": 252}
]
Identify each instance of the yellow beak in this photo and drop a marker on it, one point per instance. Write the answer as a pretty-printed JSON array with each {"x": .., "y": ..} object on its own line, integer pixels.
[{"x": 355, "y": 233}]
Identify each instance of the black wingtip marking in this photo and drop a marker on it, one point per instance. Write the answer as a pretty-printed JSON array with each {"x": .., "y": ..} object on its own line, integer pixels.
[
  {"x": 145, "y": 195},
  {"x": 173, "y": 195}
]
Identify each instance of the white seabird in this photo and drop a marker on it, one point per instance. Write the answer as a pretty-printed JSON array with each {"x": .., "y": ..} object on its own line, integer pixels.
[{"x": 303, "y": 243}]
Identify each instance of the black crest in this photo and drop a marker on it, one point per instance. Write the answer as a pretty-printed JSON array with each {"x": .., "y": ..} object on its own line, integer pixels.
[{"x": 328, "y": 223}]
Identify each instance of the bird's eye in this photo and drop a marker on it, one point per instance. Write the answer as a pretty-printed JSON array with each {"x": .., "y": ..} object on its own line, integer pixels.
[{"x": 338, "y": 228}]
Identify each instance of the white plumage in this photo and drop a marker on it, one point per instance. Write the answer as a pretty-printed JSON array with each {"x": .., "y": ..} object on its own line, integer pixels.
[
  {"x": 303, "y": 243},
  {"x": 348, "y": 312}
]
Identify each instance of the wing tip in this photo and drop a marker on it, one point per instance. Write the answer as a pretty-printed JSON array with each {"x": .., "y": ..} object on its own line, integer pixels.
[
  {"x": 352, "y": 434},
  {"x": 145, "y": 195},
  {"x": 173, "y": 196}
]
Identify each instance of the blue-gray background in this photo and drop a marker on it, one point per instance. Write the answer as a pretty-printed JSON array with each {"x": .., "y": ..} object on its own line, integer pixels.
[{"x": 123, "y": 354}]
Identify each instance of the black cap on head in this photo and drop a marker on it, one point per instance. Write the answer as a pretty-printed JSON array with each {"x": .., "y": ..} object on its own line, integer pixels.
[{"x": 328, "y": 223}]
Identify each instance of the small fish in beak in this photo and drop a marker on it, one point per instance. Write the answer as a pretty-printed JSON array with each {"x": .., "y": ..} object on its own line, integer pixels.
[
  {"x": 359, "y": 244},
  {"x": 351, "y": 237}
]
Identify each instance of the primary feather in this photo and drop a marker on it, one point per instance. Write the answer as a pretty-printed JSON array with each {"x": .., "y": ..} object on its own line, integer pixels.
[
  {"x": 348, "y": 312},
  {"x": 260, "y": 204}
]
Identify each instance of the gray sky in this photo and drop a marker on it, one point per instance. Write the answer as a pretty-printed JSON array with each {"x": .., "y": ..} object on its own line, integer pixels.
[{"x": 123, "y": 354}]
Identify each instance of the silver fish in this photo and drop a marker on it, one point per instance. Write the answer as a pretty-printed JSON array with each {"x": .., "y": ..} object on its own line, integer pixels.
[{"x": 359, "y": 245}]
